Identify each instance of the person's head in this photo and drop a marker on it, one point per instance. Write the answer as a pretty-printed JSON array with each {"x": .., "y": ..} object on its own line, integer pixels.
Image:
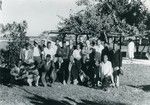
[
  {"x": 70, "y": 42},
  {"x": 99, "y": 42},
  {"x": 105, "y": 58},
  {"x": 64, "y": 44},
  {"x": 27, "y": 46},
  {"x": 48, "y": 44},
  {"x": 84, "y": 45},
  {"x": 19, "y": 62},
  {"x": 48, "y": 57},
  {"x": 57, "y": 42},
  {"x": 106, "y": 44},
  {"x": 78, "y": 46},
  {"x": 116, "y": 47},
  {"x": 43, "y": 42},
  {"x": 93, "y": 43}
]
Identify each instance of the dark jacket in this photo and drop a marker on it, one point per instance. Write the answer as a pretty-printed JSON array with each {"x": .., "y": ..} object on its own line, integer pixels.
[
  {"x": 63, "y": 52},
  {"x": 105, "y": 51},
  {"x": 117, "y": 59}
]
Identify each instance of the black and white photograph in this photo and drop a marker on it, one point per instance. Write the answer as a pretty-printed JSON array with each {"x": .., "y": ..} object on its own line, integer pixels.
[{"x": 74, "y": 52}]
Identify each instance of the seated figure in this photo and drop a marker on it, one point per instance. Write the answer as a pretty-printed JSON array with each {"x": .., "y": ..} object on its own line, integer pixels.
[
  {"x": 106, "y": 73},
  {"x": 27, "y": 73}
]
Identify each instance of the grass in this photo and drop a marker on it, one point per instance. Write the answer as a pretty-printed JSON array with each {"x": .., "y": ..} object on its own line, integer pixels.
[{"x": 134, "y": 90}]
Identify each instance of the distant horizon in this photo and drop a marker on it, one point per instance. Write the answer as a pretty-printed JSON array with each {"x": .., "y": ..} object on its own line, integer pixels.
[{"x": 41, "y": 15}]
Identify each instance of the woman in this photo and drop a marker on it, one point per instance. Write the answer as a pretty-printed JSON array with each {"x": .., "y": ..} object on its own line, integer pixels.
[
  {"x": 131, "y": 49},
  {"x": 106, "y": 73}
]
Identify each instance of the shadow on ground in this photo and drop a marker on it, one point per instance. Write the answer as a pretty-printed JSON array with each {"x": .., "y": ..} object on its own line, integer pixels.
[
  {"x": 4, "y": 76},
  {"x": 38, "y": 100},
  {"x": 145, "y": 88}
]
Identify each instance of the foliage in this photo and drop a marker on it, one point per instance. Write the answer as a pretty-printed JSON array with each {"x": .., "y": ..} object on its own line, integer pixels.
[
  {"x": 110, "y": 16},
  {"x": 16, "y": 33}
]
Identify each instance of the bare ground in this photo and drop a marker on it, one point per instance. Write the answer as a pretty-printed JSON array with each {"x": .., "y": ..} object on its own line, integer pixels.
[{"x": 134, "y": 90}]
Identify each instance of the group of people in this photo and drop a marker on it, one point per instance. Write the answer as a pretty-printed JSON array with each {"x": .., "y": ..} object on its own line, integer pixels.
[{"x": 87, "y": 62}]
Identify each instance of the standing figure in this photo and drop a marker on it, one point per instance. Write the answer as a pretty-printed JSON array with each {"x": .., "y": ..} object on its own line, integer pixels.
[
  {"x": 65, "y": 64},
  {"x": 148, "y": 53},
  {"x": 77, "y": 58},
  {"x": 98, "y": 48},
  {"x": 41, "y": 48},
  {"x": 131, "y": 49},
  {"x": 36, "y": 55},
  {"x": 117, "y": 65}
]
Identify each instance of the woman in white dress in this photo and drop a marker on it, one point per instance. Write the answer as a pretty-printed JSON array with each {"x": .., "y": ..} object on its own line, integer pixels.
[{"x": 131, "y": 49}]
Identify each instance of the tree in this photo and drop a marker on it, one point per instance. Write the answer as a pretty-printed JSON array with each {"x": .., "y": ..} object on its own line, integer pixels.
[
  {"x": 109, "y": 16},
  {"x": 16, "y": 33}
]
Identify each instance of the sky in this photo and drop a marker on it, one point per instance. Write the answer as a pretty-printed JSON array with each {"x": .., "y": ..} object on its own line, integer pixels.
[{"x": 41, "y": 15}]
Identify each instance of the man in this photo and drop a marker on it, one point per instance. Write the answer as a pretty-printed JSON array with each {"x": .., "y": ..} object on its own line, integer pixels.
[
  {"x": 49, "y": 50},
  {"x": 64, "y": 67},
  {"x": 36, "y": 55},
  {"x": 98, "y": 48},
  {"x": 117, "y": 64},
  {"x": 105, "y": 51},
  {"x": 106, "y": 72},
  {"x": 77, "y": 58},
  {"x": 41, "y": 47}
]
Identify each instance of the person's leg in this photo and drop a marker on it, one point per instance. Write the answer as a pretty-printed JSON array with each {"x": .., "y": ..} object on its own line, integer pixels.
[
  {"x": 43, "y": 78},
  {"x": 30, "y": 80},
  {"x": 63, "y": 73},
  {"x": 76, "y": 72},
  {"x": 117, "y": 81},
  {"x": 67, "y": 75},
  {"x": 37, "y": 80}
]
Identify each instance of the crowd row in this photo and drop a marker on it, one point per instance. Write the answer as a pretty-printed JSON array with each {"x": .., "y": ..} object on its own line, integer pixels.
[{"x": 86, "y": 63}]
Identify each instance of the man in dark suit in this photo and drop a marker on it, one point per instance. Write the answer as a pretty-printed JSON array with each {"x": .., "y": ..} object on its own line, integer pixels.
[{"x": 117, "y": 64}]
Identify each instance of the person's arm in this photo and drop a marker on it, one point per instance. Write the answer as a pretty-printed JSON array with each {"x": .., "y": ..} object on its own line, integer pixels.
[
  {"x": 120, "y": 64},
  {"x": 74, "y": 54},
  {"x": 101, "y": 73},
  {"x": 44, "y": 53},
  {"x": 111, "y": 74}
]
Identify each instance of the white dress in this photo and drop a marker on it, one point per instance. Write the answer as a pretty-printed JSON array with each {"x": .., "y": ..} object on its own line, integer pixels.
[{"x": 131, "y": 50}]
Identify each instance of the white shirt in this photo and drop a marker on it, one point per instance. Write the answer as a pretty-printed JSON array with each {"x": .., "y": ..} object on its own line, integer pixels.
[
  {"x": 54, "y": 47},
  {"x": 106, "y": 69},
  {"x": 98, "y": 48},
  {"x": 77, "y": 54},
  {"x": 50, "y": 51},
  {"x": 26, "y": 54},
  {"x": 131, "y": 47},
  {"x": 36, "y": 51}
]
